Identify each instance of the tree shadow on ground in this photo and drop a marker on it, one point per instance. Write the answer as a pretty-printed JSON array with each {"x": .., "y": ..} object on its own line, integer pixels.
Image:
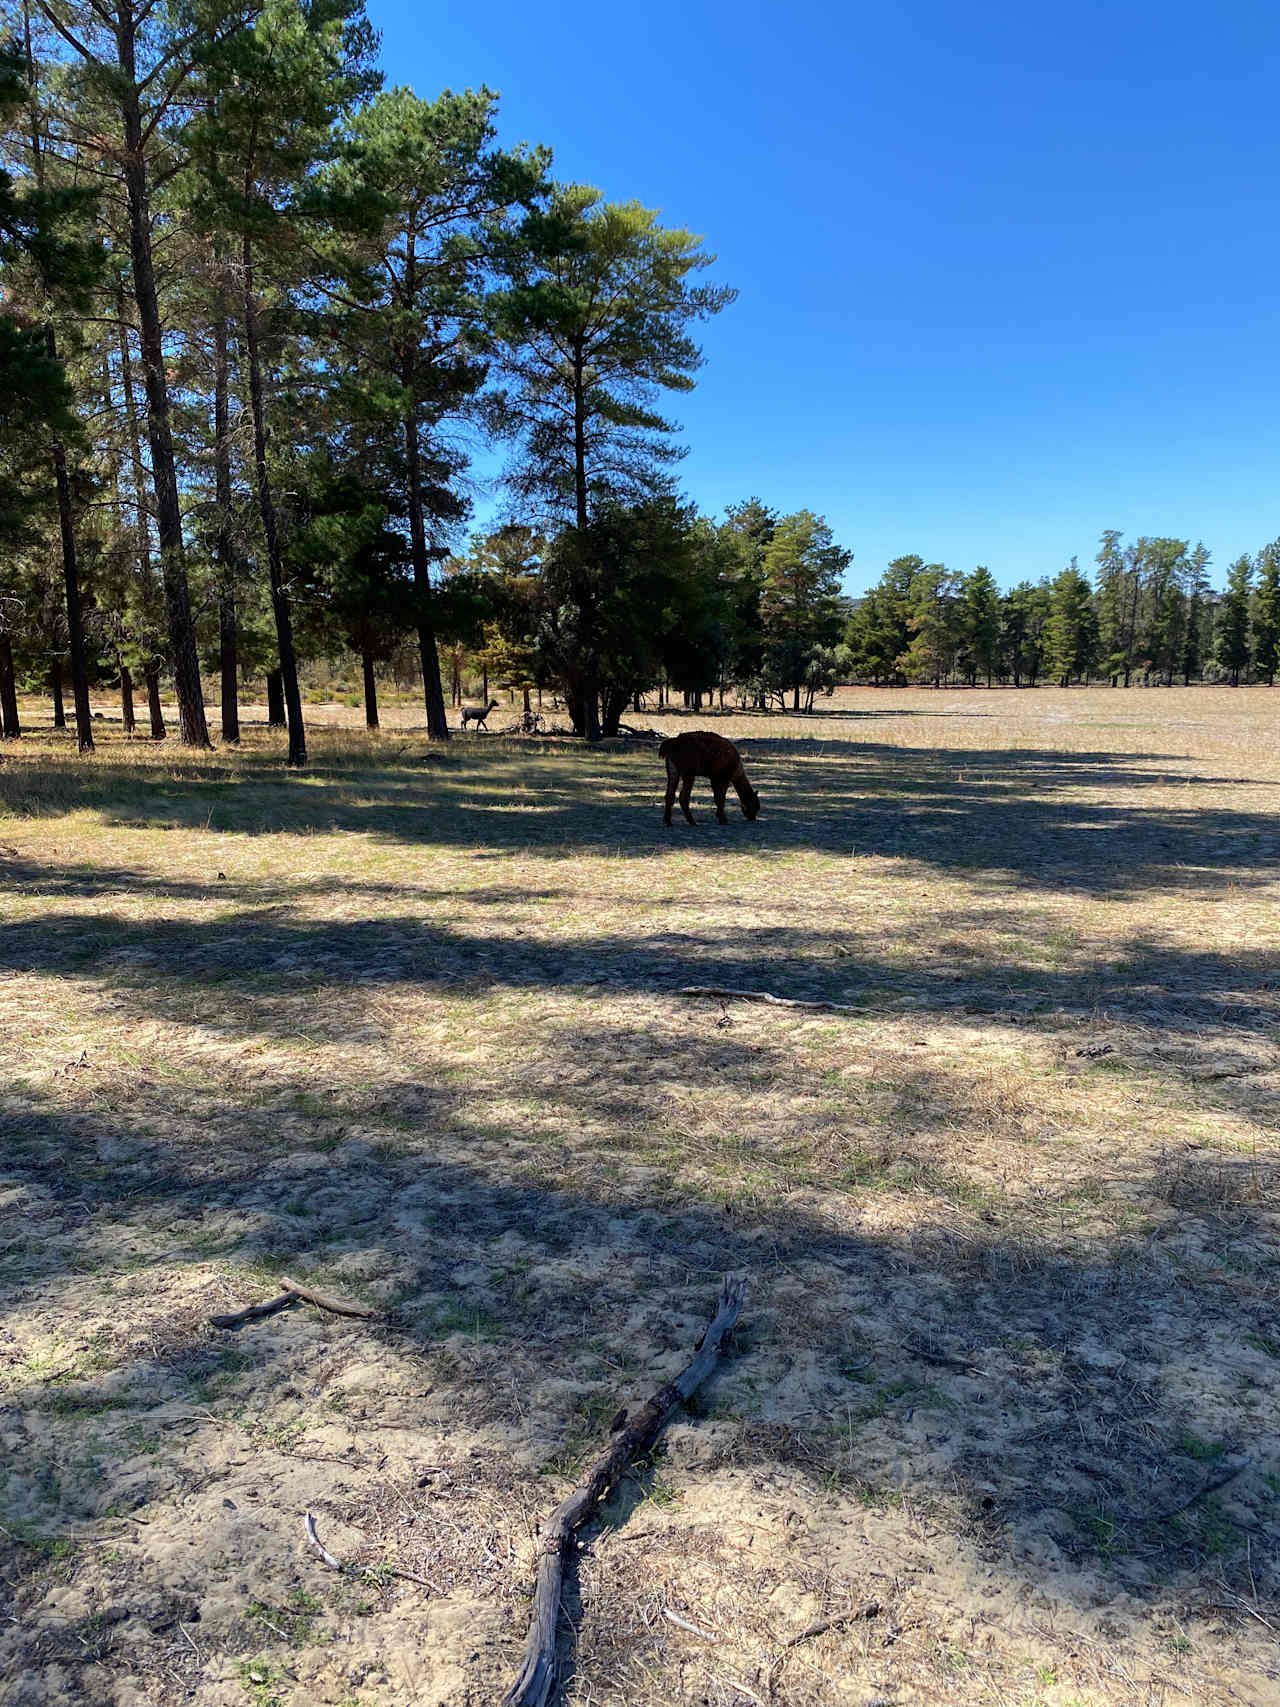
[
  {"x": 1022, "y": 817},
  {"x": 243, "y": 970},
  {"x": 1073, "y": 1402},
  {"x": 1059, "y": 1395}
]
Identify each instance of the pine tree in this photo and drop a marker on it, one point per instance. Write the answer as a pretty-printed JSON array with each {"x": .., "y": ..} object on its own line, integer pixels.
[
  {"x": 1199, "y": 604},
  {"x": 1024, "y": 614},
  {"x": 1231, "y": 637},
  {"x": 799, "y": 598},
  {"x": 56, "y": 272},
  {"x": 133, "y": 65},
  {"x": 593, "y": 322},
  {"x": 417, "y": 341},
  {"x": 276, "y": 91},
  {"x": 1071, "y": 632},
  {"x": 1266, "y": 614},
  {"x": 1112, "y": 607},
  {"x": 1167, "y": 567},
  {"x": 936, "y": 624},
  {"x": 981, "y": 623}
]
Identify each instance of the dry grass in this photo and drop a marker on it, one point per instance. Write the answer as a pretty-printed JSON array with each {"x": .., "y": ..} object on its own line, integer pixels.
[{"x": 408, "y": 1024}]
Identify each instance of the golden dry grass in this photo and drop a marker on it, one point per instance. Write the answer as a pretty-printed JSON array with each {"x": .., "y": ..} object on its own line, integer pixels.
[{"x": 408, "y": 1023}]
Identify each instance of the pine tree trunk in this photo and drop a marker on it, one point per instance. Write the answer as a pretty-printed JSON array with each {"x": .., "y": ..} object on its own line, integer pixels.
[
  {"x": 151, "y": 672},
  {"x": 164, "y": 473},
  {"x": 370, "y": 692},
  {"x": 127, "y": 717},
  {"x": 70, "y": 571},
  {"x": 589, "y": 698},
  {"x": 224, "y": 546},
  {"x": 228, "y": 666},
  {"x": 429, "y": 656},
  {"x": 10, "y": 725},
  {"x": 155, "y": 710},
  {"x": 71, "y": 587},
  {"x": 55, "y": 688},
  {"x": 275, "y": 700},
  {"x": 270, "y": 526}
]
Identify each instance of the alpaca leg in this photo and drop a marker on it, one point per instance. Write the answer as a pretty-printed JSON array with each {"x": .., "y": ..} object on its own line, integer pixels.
[
  {"x": 719, "y": 789},
  {"x": 685, "y": 791},
  {"x": 673, "y": 778}
]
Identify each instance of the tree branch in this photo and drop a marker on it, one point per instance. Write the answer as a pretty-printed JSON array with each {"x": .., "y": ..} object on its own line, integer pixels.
[{"x": 532, "y": 1686}]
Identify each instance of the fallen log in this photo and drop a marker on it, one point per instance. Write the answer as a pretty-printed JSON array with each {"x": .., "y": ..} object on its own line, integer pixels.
[
  {"x": 533, "y": 1683},
  {"x": 293, "y": 1294}
]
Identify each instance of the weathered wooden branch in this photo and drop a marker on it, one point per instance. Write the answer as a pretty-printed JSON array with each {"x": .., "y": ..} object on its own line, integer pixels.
[
  {"x": 292, "y": 1294},
  {"x": 537, "y": 1673},
  {"x": 335, "y": 1306},
  {"x": 820, "y": 1626},
  {"x": 764, "y": 996},
  {"x": 255, "y": 1312}
]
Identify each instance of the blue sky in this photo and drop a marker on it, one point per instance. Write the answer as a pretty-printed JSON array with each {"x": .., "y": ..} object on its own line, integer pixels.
[{"x": 1008, "y": 274}]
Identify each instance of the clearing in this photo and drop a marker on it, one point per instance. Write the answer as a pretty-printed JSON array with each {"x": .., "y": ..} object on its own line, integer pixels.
[{"x": 406, "y": 1027}]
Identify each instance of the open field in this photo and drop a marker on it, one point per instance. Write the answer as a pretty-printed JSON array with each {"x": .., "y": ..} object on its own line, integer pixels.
[{"x": 405, "y": 1026}]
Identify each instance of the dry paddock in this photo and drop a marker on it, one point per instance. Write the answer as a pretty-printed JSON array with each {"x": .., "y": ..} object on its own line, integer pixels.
[{"x": 408, "y": 1026}]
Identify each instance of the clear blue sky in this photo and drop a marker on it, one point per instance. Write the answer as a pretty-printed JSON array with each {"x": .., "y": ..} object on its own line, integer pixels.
[{"x": 1008, "y": 274}]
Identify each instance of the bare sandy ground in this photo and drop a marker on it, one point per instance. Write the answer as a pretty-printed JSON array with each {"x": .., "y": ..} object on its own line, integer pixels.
[{"x": 408, "y": 1027}]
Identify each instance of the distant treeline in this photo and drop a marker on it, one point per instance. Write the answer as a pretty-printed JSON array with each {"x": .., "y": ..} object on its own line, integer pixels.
[{"x": 1149, "y": 616}]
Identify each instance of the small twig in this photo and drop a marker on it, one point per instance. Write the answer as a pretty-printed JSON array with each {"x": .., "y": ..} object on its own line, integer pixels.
[
  {"x": 741, "y": 1689},
  {"x": 309, "y": 1524},
  {"x": 1237, "y": 1603},
  {"x": 1210, "y": 1487},
  {"x": 764, "y": 996},
  {"x": 368, "y": 1571},
  {"x": 821, "y": 1625},
  {"x": 194, "y": 1649},
  {"x": 941, "y": 1359},
  {"x": 406, "y": 1576},
  {"x": 707, "y": 1635}
]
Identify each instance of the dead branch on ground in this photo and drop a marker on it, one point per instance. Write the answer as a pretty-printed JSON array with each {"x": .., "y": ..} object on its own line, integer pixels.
[
  {"x": 293, "y": 1294},
  {"x": 764, "y": 996},
  {"x": 532, "y": 1686},
  {"x": 837, "y": 1622}
]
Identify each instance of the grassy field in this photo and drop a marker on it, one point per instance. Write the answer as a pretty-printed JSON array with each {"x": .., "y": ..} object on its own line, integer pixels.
[{"x": 407, "y": 1026}]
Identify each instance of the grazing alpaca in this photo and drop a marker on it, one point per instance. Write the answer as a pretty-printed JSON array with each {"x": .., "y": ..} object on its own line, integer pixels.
[
  {"x": 699, "y": 753},
  {"x": 473, "y": 714}
]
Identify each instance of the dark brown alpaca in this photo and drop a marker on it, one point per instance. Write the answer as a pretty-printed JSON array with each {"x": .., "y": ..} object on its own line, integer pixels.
[{"x": 700, "y": 753}]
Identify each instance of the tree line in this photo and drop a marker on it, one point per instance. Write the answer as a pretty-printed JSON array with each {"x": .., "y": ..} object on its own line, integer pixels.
[
  {"x": 1149, "y": 616},
  {"x": 259, "y": 311}
]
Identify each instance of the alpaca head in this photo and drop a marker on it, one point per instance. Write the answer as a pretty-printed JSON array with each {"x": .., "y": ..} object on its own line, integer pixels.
[{"x": 750, "y": 802}]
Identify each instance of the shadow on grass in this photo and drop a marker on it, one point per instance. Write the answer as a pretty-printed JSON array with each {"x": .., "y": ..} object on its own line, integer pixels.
[
  {"x": 1065, "y": 1397},
  {"x": 1068, "y": 1403},
  {"x": 1019, "y": 817},
  {"x": 245, "y": 970}
]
